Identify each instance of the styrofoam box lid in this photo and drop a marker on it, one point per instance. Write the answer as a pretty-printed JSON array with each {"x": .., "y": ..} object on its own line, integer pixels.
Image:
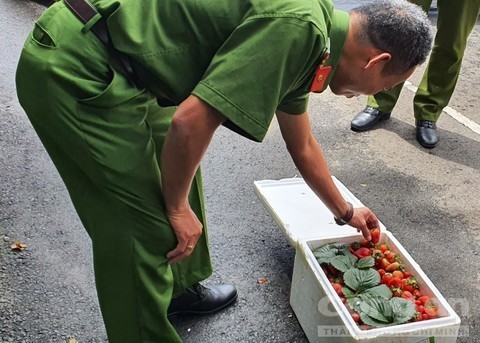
[{"x": 299, "y": 212}]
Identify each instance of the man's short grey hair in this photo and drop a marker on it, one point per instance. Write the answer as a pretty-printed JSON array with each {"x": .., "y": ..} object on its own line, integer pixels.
[{"x": 399, "y": 28}]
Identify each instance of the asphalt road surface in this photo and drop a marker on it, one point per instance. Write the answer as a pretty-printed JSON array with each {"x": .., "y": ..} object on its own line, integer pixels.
[{"x": 429, "y": 199}]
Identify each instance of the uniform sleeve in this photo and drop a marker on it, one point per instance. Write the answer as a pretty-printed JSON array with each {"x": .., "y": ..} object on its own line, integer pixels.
[
  {"x": 296, "y": 102},
  {"x": 262, "y": 66}
]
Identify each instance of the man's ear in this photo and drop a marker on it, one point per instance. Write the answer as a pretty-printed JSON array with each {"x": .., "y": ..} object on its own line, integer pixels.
[{"x": 380, "y": 58}]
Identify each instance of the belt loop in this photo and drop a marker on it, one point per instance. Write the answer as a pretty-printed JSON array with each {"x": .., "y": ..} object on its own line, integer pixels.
[
  {"x": 94, "y": 22},
  {"x": 89, "y": 24}
]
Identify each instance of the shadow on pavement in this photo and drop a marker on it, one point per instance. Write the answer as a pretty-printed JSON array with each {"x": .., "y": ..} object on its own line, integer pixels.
[{"x": 451, "y": 146}]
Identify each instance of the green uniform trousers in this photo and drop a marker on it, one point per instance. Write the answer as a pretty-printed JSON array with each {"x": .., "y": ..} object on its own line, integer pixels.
[
  {"x": 105, "y": 137},
  {"x": 456, "y": 19}
]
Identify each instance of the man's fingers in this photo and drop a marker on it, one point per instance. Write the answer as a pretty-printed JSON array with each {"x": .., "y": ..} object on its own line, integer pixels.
[
  {"x": 366, "y": 233},
  {"x": 177, "y": 259},
  {"x": 180, "y": 252},
  {"x": 372, "y": 221},
  {"x": 175, "y": 252}
]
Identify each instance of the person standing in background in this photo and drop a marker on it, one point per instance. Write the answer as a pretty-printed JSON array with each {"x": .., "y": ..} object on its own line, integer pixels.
[{"x": 455, "y": 22}]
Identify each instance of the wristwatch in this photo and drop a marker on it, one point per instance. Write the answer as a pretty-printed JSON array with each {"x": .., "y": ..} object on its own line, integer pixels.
[{"x": 343, "y": 220}]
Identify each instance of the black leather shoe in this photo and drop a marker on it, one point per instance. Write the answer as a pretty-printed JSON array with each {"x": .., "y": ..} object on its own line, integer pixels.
[
  {"x": 427, "y": 133},
  {"x": 200, "y": 299},
  {"x": 368, "y": 118}
]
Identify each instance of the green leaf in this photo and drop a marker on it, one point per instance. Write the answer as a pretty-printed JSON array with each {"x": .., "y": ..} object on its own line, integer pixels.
[
  {"x": 366, "y": 262},
  {"x": 380, "y": 291},
  {"x": 341, "y": 263},
  {"x": 377, "y": 308},
  {"x": 323, "y": 258},
  {"x": 403, "y": 310},
  {"x": 354, "y": 303},
  {"x": 326, "y": 252},
  {"x": 370, "y": 321},
  {"x": 351, "y": 256},
  {"x": 347, "y": 292},
  {"x": 330, "y": 248},
  {"x": 377, "y": 311},
  {"x": 361, "y": 279},
  {"x": 340, "y": 246}
]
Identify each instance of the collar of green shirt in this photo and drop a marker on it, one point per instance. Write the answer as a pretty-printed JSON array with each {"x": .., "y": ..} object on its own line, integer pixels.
[{"x": 337, "y": 35}]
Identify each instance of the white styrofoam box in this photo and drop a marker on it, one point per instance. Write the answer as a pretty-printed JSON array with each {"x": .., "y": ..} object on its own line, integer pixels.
[
  {"x": 308, "y": 224},
  {"x": 324, "y": 318},
  {"x": 299, "y": 212}
]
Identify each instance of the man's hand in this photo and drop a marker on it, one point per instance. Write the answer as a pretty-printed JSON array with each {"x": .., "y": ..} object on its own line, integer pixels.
[
  {"x": 188, "y": 229},
  {"x": 364, "y": 221}
]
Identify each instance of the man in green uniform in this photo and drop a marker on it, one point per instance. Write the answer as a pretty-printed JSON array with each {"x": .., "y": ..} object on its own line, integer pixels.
[
  {"x": 131, "y": 165},
  {"x": 455, "y": 22}
]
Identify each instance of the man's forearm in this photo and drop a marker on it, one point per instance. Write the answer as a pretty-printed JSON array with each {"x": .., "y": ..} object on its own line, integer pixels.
[
  {"x": 314, "y": 169},
  {"x": 187, "y": 140},
  {"x": 309, "y": 159},
  {"x": 180, "y": 159}
]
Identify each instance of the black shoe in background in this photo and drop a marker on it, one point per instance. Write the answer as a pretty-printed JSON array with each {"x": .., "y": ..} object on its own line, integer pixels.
[
  {"x": 368, "y": 118},
  {"x": 427, "y": 134}
]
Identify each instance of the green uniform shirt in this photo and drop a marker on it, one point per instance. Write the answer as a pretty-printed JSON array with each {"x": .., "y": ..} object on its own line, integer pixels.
[{"x": 246, "y": 58}]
